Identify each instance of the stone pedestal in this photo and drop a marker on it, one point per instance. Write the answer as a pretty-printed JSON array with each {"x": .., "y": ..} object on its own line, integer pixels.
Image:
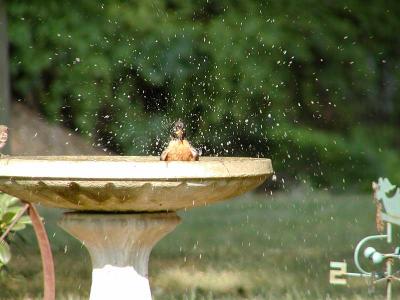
[{"x": 119, "y": 247}]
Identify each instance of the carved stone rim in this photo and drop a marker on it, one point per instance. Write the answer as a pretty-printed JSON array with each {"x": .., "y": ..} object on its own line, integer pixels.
[{"x": 130, "y": 168}]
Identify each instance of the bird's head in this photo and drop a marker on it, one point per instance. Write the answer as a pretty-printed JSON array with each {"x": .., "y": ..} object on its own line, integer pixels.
[{"x": 178, "y": 130}]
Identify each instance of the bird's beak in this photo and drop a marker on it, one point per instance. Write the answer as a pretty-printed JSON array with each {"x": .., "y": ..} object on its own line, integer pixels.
[{"x": 179, "y": 133}]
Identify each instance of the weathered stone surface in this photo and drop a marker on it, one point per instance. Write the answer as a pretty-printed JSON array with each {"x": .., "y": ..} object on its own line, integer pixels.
[{"x": 128, "y": 183}]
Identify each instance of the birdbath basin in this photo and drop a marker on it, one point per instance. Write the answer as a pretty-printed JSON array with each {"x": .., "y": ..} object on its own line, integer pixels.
[{"x": 121, "y": 206}]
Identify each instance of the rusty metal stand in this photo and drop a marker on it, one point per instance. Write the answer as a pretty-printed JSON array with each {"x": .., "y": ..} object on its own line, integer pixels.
[{"x": 49, "y": 282}]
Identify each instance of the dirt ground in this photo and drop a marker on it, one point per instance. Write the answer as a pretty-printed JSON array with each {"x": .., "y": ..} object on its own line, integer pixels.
[{"x": 30, "y": 134}]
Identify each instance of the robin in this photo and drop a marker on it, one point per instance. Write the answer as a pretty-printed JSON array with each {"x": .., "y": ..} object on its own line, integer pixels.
[{"x": 179, "y": 148}]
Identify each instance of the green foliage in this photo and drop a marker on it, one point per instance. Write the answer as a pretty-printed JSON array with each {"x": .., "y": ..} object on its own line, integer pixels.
[
  {"x": 311, "y": 85},
  {"x": 9, "y": 208}
]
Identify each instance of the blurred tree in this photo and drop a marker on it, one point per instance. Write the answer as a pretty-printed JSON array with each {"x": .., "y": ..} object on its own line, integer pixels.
[
  {"x": 4, "y": 72},
  {"x": 311, "y": 84}
]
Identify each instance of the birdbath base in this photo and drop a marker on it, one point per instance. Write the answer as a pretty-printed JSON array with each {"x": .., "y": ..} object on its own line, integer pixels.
[{"x": 119, "y": 247}]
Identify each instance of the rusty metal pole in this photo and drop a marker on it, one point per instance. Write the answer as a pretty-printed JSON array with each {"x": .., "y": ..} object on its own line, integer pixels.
[
  {"x": 389, "y": 232},
  {"x": 389, "y": 279},
  {"x": 49, "y": 280},
  {"x": 4, "y": 71}
]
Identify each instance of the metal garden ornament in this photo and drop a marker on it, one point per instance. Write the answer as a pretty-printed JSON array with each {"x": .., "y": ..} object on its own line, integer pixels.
[{"x": 387, "y": 200}]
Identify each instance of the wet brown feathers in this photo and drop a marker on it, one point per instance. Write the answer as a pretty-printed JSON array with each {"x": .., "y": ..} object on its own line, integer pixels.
[{"x": 179, "y": 148}]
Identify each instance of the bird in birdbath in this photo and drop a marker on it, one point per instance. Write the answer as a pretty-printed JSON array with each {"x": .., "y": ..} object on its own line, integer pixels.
[
  {"x": 3, "y": 136},
  {"x": 179, "y": 148}
]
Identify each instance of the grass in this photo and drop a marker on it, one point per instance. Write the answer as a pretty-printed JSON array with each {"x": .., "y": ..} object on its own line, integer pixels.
[{"x": 254, "y": 247}]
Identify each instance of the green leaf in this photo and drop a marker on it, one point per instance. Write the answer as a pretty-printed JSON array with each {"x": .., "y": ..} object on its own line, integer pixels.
[
  {"x": 18, "y": 227},
  {"x": 7, "y": 217},
  {"x": 25, "y": 220},
  {"x": 14, "y": 209},
  {"x": 7, "y": 204},
  {"x": 8, "y": 200},
  {"x": 5, "y": 253}
]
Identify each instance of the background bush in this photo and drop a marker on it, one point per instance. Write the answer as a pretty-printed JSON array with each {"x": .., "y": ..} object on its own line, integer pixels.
[{"x": 311, "y": 84}]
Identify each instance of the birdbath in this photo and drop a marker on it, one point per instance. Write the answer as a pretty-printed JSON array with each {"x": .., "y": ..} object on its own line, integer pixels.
[{"x": 121, "y": 206}]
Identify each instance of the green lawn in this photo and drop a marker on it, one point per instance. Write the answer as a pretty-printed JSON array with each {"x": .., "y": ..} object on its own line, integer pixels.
[{"x": 255, "y": 247}]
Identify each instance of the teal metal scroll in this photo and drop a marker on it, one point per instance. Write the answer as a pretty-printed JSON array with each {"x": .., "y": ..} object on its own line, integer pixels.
[{"x": 387, "y": 199}]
